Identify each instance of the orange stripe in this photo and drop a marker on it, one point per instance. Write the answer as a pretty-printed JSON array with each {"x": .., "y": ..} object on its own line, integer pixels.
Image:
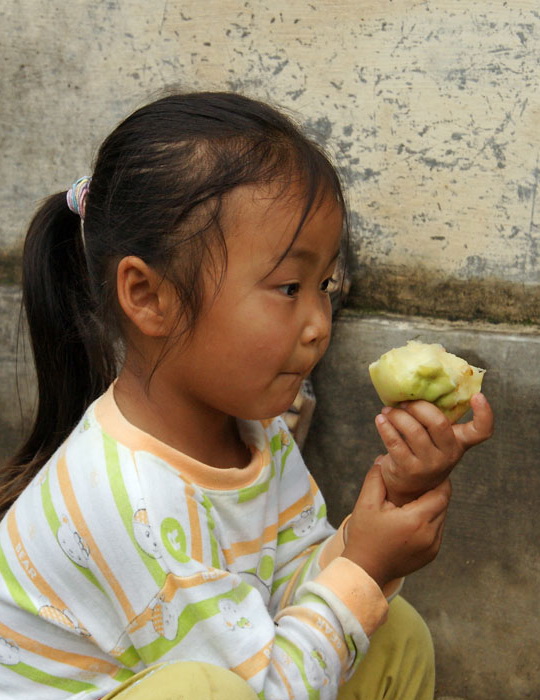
[
  {"x": 140, "y": 621},
  {"x": 256, "y": 663},
  {"x": 313, "y": 619},
  {"x": 291, "y": 585},
  {"x": 81, "y": 527},
  {"x": 295, "y": 509},
  {"x": 27, "y": 565},
  {"x": 168, "y": 591},
  {"x": 313, "y": 484},
  {"x": 87, "y": 663},
  {"x": 194, "y": 524},
  {"x": 174, "y": 583},
  {"x": 240, "y": 549},
  {"x": 282, "y": 675}
]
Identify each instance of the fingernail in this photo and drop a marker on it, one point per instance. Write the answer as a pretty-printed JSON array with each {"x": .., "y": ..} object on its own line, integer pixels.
[
  {"x": 386, "y": 409},
  {"x": 380, "y": 419}
]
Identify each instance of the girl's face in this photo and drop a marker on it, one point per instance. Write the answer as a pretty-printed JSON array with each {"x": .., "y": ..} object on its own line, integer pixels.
[{"x": 268, "y": 324}]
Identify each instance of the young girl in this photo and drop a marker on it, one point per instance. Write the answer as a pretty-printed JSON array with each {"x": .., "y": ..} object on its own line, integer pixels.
[{"x": 158, "y": 511}]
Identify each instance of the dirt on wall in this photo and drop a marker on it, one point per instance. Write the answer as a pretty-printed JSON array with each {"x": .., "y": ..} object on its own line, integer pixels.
[{"x": 422, "y": 292}]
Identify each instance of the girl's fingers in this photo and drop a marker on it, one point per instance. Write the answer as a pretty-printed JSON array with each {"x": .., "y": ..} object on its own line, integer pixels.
[
  {"x": 432, "y": 505},
  {"x": 397, "y": 447},
  {"x": 435, "y": 422},
  {"x": 480, "y": 428},
  {"x": 405, "y": 431}
]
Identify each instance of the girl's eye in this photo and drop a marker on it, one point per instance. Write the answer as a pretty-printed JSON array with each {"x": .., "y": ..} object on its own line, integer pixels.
[
  {"x": 329, "y": 285},
  {"x": 290, "y": 290}
]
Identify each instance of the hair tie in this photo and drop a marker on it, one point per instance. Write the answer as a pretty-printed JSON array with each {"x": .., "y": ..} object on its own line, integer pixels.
[{"x": 76, "y": 195}]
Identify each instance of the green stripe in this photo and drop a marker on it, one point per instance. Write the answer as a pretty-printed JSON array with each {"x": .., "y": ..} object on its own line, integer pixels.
[
  {"x": 123, "y": 674},
  {"x": 15, "y": 589},
  {"x": 189, "y": 617},
  {"x": 130, "y": 657},
  {"x": 297, "y": 657},
  {"x": 353, "y": 649},
  {"x": 286, "y": 454},
  {"x": 280, "y": 581},
  {"x": 308, "y": 563},
  {"x": 356, "y": 654},
  {"x": 286, "y": 536},
  {"x": 54, "y": 524},
  {"x": 66, "y": 684},
  {"x": 321, "y": 513},
  {"x": 275, "y": 444},
  {"x": 251, "y": 492},
  {"x": 312, "y": 598},
  {"x": 211, "y": 527},
  {"x": 123, "y": 504},
  {"x": 48, "y": 508}
]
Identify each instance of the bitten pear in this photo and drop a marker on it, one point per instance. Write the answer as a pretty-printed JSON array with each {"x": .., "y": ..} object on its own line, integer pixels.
[{"x": 426, "y": 371}]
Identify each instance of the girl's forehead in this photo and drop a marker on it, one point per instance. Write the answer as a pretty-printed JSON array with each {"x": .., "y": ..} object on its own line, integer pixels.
[
  {"x": 274, "y": 224},
  {"x": 289, "y": 202}
]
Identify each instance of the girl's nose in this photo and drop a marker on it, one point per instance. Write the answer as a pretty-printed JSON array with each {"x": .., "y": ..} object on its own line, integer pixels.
[{"x": 318, "y": 324}]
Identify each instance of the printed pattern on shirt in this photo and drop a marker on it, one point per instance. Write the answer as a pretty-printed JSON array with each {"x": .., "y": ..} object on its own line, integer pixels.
[{"x": 115, "y": 558}]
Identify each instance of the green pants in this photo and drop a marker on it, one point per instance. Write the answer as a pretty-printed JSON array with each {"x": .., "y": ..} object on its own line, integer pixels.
[{"x": 398, "y": 666}]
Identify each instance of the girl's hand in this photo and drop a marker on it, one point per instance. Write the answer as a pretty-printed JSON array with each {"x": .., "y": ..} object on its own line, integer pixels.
[
  {"x": 389, "y": 542},
  {"x": 423, "y": 446}
]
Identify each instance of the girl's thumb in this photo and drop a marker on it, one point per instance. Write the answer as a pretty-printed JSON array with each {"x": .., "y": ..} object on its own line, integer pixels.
[{"x": 373, "y": 492}]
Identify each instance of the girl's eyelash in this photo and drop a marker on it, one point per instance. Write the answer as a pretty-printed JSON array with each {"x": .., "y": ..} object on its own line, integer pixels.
[
  {"x": 329, "y": 285},
  {"x": 290, "y": 289}
]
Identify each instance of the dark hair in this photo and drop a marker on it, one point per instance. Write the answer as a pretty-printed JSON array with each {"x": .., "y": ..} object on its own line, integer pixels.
[{"x": 156, "y": 193}]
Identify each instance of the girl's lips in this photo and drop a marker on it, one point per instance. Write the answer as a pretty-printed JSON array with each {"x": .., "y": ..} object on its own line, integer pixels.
[{"x": 300, "y": 372}]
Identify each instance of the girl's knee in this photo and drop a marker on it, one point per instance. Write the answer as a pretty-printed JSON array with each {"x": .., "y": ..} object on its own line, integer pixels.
[
  {"x": 400, "y": 663},
  {"x": 405, "y": 625},
  {"x": 184, "y": 679}
]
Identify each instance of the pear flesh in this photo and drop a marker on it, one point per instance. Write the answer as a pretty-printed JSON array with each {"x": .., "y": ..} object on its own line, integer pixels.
[{"x": 426, "y": 371}]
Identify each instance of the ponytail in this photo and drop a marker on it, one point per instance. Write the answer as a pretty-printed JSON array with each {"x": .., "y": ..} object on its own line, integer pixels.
[{"x": 73, "y": 363}]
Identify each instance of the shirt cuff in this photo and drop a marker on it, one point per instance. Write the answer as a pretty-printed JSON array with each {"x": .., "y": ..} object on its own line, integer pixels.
[{"x": 362, "y": 601}]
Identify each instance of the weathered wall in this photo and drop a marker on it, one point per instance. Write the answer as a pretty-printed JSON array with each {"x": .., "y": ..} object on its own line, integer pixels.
[{"x": 430, "y": 109}]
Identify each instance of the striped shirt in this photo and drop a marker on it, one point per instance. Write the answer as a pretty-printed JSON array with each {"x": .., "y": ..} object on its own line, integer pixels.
[{"x": 123, "y": 552}]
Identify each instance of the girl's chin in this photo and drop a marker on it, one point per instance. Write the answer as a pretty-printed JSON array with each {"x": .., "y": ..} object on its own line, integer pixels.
[{"x": 273, "y": 409}]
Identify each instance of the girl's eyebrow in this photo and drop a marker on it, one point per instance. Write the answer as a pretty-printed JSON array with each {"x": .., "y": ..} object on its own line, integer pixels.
[
  {"x": 305, "y": 254},
  {"x": 299, "y": 253}
]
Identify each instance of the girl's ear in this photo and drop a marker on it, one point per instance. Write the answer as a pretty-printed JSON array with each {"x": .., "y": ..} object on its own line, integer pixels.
[{"x": 147, "y": 299}]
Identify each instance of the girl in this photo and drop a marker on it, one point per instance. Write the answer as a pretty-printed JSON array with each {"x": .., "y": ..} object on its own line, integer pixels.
[{"x": 158, "y": 512}]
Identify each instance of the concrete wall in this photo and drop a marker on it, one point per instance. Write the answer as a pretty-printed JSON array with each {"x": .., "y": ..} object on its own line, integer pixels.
[
  {"x": 430, "y": 110},
  {"x": 480, "y": 595}
]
